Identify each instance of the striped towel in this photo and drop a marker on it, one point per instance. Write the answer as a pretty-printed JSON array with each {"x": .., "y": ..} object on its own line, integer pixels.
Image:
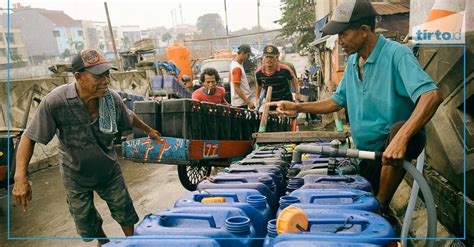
[{"x": 107, "y": 116}]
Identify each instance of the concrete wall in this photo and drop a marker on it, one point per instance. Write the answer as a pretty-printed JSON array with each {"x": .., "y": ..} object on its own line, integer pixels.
[
  {"x": 34, "y": 25},
  {"x": 45, "y": 155}
]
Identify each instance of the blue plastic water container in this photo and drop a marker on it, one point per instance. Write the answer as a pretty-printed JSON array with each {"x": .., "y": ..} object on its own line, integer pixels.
[
  {"x": 269, "y": 179},
  {"x": 315, "y": 160},
  {"x": 277, "y": 170},
  {"x": 316, "y": 243},
  {"x": 336, "y": 182},
  {"x": 294, "y": 184},
  {"x": 240, "y": 183},
  {"x": 336, "y": 199},
  {"x": 275, "y": 162},
  {"x": 174, "y": 241},
  {"x": 312, "y": 169},
  {"x": 228, "y": 226},
  {"x": 271, "y": 233},
  {"x": 279, "y": 163},
  {"x": 157, "y": 82},
  {"x": 170, "y": 82},
  {"x": 253, "y": 204},
  {"x": 355, "y": 226},
  {"x": 264, "y": 156}
]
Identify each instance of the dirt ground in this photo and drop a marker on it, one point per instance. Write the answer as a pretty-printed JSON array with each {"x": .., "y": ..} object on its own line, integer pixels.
[{"x": 153, "y": 187}]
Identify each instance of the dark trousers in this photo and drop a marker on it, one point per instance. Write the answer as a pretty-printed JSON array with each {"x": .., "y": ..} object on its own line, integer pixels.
[{"x": 371, "y": 169}]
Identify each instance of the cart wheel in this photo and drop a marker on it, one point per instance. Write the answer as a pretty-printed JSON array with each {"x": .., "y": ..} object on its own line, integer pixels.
[{"x": 191, "y": 175}]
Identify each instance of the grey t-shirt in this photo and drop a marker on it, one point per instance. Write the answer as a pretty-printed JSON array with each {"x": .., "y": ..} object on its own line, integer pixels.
[{"x": 87, "y": 156}]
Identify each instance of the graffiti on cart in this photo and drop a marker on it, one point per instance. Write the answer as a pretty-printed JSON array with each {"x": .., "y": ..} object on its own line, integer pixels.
[
  {"x": 163, "y": 148},
  {"x": 211, "y": 150}
]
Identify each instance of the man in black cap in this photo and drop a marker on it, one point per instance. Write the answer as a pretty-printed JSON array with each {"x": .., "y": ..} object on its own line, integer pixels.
[
  {"x": 241, "y": 94},
  {"x": 275, "y": 74},
  {"x": 85, "y": 116},
  {"x": 388, "y": 96}
]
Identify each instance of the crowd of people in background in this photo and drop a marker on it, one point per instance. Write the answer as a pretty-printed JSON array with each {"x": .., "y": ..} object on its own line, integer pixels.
[{"x": 273, "y": 72}]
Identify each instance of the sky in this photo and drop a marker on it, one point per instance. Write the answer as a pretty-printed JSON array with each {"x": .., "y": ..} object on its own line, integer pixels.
[{"x": 149, "y": 13}]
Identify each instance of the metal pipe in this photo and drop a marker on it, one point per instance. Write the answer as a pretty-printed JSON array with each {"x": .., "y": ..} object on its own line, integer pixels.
[{"x": 354, "y": 153}]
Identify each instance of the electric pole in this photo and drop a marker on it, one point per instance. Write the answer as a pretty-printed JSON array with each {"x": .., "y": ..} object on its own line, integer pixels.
[
  {"x": 258, "y": 25},
  {"x": 226, "y": 26}
]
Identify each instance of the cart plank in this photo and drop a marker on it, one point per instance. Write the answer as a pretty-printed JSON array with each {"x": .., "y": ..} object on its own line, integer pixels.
[{"x": 300, "y": 136}]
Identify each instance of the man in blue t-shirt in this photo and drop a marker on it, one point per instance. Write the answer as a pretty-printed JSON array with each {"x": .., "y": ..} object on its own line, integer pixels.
[{"x": 388, "y": 96}]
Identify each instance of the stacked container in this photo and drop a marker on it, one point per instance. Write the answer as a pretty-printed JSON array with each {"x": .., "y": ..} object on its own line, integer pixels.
[
  {"x": 229, "y": 226},
  {"x": 250, "y": 201},
  {"x": 181, "y": 118},
  {"x": 210, "y": 126},
  {"x": 150, "y": 113}
]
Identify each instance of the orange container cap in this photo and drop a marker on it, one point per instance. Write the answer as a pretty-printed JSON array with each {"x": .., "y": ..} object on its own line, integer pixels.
[
  {"x": 292, "y": 219},
  {"x": 213, "y": 200}
]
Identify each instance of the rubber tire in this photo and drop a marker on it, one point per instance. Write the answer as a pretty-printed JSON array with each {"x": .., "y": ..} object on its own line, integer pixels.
[{"x": 200, "y": 171}]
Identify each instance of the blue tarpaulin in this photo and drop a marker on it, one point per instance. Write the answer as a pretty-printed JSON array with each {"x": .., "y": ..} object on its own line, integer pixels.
[
  {"x": 319, "y": 25},
  {"x": 169, "y": 66}
]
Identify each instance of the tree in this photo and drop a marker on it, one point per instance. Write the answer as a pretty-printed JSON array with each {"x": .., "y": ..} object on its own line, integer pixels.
[
  {"x": 66, "y": 53},
  {"x": 166, "y": 38},
  {"x": 211, "y": 25},
  {"x": 298, "y": 22},
  {"x": 16, "y": 58}
]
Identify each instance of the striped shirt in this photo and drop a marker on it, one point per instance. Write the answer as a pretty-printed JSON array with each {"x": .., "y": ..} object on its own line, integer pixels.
[{"x": 279, "y": 80}]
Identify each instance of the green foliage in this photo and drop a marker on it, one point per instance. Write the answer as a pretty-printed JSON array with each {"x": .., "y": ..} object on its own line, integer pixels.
[
  {"x": 66, "y": 53},
  {"x": 298, "y": 22},
  {"x": 211, "y": 25},
  {"x": 16, "y": 58}
]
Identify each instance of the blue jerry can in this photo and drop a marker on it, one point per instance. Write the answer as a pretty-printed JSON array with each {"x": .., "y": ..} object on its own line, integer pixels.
[
  {"x": 258, "y": 177},
  {"x": 336, "y": 199},
  {"x": 271, "y": 233},
  {"x": 229, "y": 226},
  {"x": 342, "y": 226},
  {"x": 174, "y": 241},
  {"x": 263, "y": 162},
  {"x": 250, "y": 201},
  {"x": 240, "y": 183},
  {"x": 157, "y": 82},
  {"x": 318, "y": 243},
  {"x": 276, "y": 170},
  {"x": 315, "y": 181}
]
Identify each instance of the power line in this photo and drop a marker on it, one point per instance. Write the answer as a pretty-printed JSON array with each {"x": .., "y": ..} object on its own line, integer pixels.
[{"x": 249, "y": 34}]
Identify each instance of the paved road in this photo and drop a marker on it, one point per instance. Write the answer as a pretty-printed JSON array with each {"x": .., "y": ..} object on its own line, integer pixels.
[
  {"x": 153, "y": 188},
  {"x": 300, "y": 62}
]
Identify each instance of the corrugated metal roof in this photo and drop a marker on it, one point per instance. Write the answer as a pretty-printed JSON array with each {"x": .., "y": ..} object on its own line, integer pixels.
[
  {"x": 60, "y": 19},
  {"x": 390, "y": 8}
]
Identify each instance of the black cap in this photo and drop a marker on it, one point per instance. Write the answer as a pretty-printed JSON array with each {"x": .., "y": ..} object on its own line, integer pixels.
[
  {"x": 244, "y": 48},
  {"x": 91, "y": 61},
  {"x": 347, "y": 13},
  {"x": 270, "y": 50}
]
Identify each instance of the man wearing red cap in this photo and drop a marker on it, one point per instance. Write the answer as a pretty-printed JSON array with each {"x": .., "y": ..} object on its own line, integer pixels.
[
  {"x": 84, "y": 115},
  {"x": 388, "y": 96}
]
